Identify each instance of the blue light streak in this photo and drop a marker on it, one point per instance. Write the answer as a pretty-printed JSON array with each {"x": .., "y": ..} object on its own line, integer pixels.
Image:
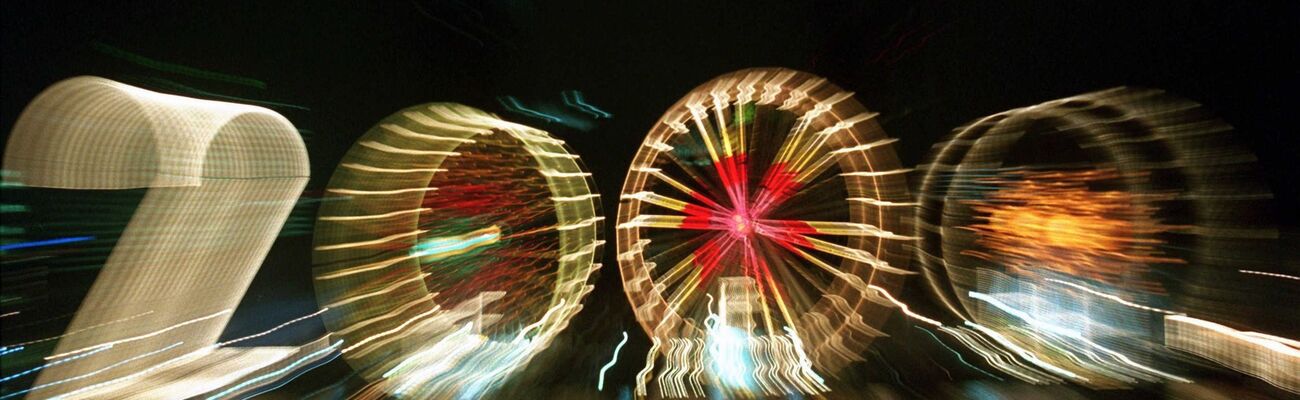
[
  {"x": 6, "y": 350},
  {"x": 50, "y": 242}
]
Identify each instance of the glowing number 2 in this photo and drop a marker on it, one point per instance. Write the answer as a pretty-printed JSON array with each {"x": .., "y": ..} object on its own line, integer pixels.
[{"x": 222, "y": 179}]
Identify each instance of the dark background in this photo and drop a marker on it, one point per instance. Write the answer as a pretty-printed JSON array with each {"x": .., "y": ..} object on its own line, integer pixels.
[{"x": 926, "y": 67}]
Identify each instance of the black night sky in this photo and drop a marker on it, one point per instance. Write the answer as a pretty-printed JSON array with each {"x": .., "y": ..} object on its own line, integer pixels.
[{"x": 334, "y": 68}]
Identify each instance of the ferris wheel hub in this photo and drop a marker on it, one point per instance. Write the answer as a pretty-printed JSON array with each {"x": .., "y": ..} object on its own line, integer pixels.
[{"x": 741, "y": 224}]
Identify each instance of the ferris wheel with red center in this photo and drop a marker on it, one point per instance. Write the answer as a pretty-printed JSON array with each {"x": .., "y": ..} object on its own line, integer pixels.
[{"x": 775, "y": 176}]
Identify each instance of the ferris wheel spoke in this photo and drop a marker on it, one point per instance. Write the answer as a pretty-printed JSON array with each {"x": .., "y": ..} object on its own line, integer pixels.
[
  {"x": 784, "y": 228},
  {"x": 781, "y": 171},
  {"x": 676, "y": 298},
  {"x": 695, "y": 169},
  {"x": 801, "y": 145},
  {"x": 677, "y": 271},
  {"x": 691, "y": 210},
  {"x": 785, "y": 180},
  {"x": 742, "y": 146},
  {"x": 852, "y": 280},
  {"x": 793, "y": 141},
  {"x": 709, "y": 257},
  {"x": 720, "y": 151},
  {"x": 815, "y": 188},
  {"x": 682, "y": 187},
  {"x": 778, "y": 184},
  {"x": 792, "y": 270},
  {"x": 804, "y": 157},
  {"x": 706, "y": 259},
  {"x": 710, "y": 222},
  {"x": 800, "y": 240},
  {"x": 818, "y": 168},
  {"x": 784, "y": 302},
  {"x": 820, "y": 138},
  {"x": 763, "y": 281}
]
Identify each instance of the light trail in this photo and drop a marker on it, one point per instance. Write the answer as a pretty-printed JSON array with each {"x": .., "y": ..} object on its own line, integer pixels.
[
  {"x": 1023, "y": 353},
  {"x": 513, "y": 104},
  {"x": 47, "y": 365},
  {"x": 958, "y": 355},
  {"x": 1270, "y": 274},
  {"x": 398, "y": 150},
  {"x": 573, "y": 98},
  {"x": 139, "y": 337},
  {"x": 276, "y": 328},
  {"x": 600, "y": 384},
  {"x": 92, "y": 373},
  {"x": 280, "y": 371},
  {"x": 4, "y": 351},
  {"x": 356, "y": 192},
  {"x": 438, "y": 248},
  {"x": 43, "y": 243},
  {"x": 364, "y": 243},
  {"x": 1072, "y": 334},
  {"x": 375, "y": 216},
  {"x": 1111, "y": 297},
  {"x": 367, "y": 168},
  {"x": 391, "y": 331}
]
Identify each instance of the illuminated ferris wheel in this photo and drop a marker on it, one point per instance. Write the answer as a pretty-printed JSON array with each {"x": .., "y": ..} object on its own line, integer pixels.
[
  {"x": 452, "y": 247},
  {"x": 768, "y": 201}
]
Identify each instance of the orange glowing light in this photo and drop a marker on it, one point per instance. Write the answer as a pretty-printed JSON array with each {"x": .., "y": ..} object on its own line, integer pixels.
[{"x": 1054, "y": 221}]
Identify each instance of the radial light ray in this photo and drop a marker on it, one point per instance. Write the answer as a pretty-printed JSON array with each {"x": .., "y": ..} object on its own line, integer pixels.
[
  {"x": 732, "y": 182},
  {"x": 465, "y": 245}
]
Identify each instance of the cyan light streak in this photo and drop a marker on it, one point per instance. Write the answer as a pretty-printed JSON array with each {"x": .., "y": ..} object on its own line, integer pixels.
[
  {"x": 21, "y": 374},
  {"x": 92, "y": 373},
  {"x": 513, "y": 104},
  {"x": 6, "y": 350},
  {"x": 573, "y": 98},
  {"x": 149, "y": 370},
  {"x": 291, "y": 379},
  {"x": 954, "y": 352},
  {"x": 280, "y": 371},
  {"x": 40, "y": 243},
  {"x": 443, "y": 247},
  {"x": 600, "y": 385}
]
